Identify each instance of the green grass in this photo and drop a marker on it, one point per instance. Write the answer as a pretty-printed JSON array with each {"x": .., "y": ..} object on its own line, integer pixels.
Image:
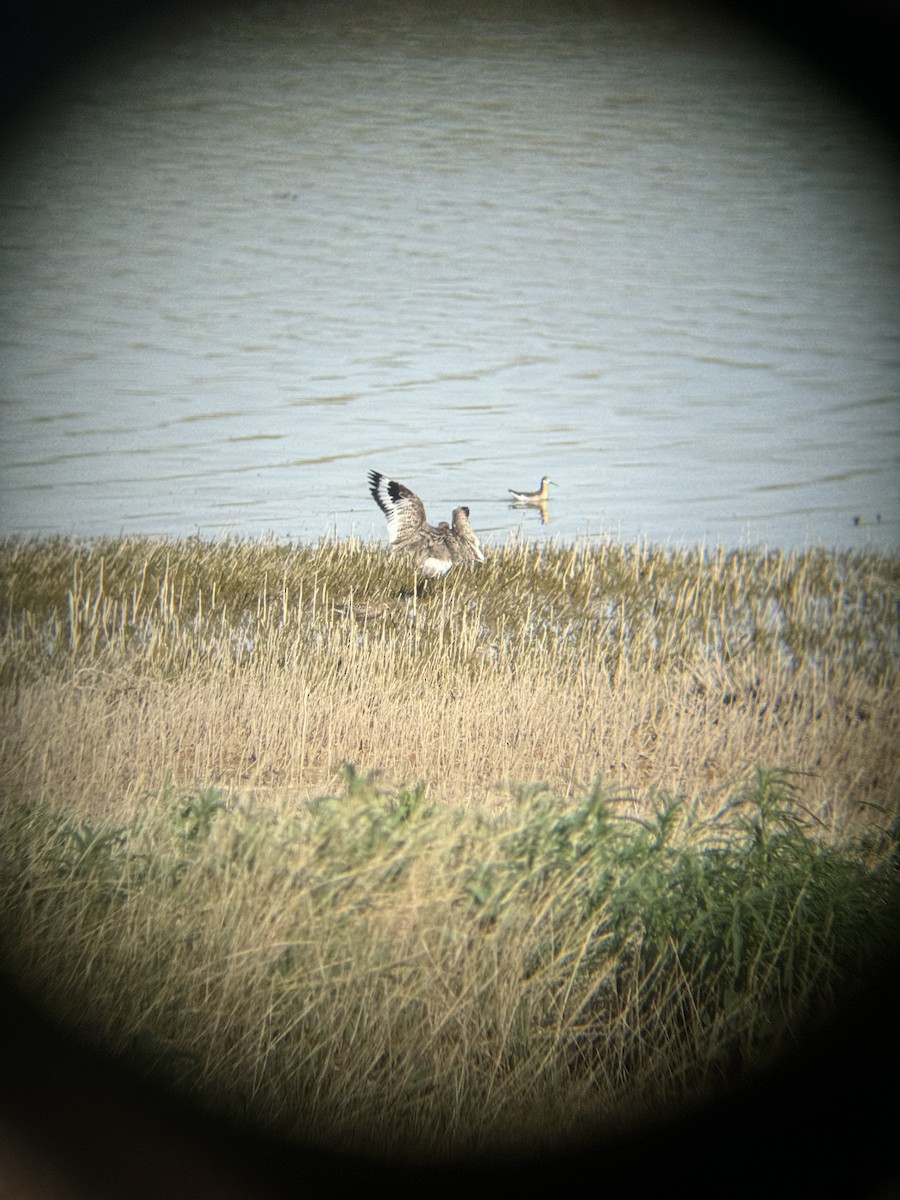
[{"x": 376, "y": 973}]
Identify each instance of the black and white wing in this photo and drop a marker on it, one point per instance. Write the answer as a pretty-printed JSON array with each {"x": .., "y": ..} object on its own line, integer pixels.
[{"x": 404, "y": 510}]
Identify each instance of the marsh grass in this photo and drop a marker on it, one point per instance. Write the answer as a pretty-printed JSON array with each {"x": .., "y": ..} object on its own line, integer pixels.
[
  {"x": 379, "y": 974},
  {"x": 262, "y": 667},
  {"x": 559, "y": 893}
]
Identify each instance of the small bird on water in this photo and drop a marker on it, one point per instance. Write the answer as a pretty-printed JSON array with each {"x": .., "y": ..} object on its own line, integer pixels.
[
  {"x": 538, "y": 497},
  {"x": 437, "y": 547}
]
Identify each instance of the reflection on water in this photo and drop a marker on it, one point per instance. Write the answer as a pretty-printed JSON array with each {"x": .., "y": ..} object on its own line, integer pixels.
[{"x": 247, "y": 264}]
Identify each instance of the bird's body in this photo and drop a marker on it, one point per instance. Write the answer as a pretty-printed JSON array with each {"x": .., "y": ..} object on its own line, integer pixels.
[
  {"x": 538, "y": 497},
  {"x": 437, "y": 547}
]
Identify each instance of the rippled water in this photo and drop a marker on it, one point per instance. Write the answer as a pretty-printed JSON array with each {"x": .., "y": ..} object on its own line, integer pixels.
[{"x": 247, "y": 261}]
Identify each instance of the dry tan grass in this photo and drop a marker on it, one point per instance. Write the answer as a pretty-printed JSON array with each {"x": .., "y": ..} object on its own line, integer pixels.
[
  {"x": 103, "y": 739},
  {"x": 263, "y": 671}
]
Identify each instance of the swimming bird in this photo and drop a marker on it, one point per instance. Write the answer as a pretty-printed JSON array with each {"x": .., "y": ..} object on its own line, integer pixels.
[
  {"x": 538, "y": 497},
  {"x": 437, "y": 547}
]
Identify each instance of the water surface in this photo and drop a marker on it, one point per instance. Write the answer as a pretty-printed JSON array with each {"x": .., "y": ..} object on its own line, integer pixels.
[{"x": 249, "y": 260}]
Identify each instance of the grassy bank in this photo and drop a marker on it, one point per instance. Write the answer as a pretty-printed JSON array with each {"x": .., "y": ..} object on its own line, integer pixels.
[{"x": 633, "y": 824}]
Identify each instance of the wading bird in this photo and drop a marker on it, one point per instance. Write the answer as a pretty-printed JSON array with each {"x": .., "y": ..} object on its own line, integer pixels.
[{"x": 437, "y": 547}]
